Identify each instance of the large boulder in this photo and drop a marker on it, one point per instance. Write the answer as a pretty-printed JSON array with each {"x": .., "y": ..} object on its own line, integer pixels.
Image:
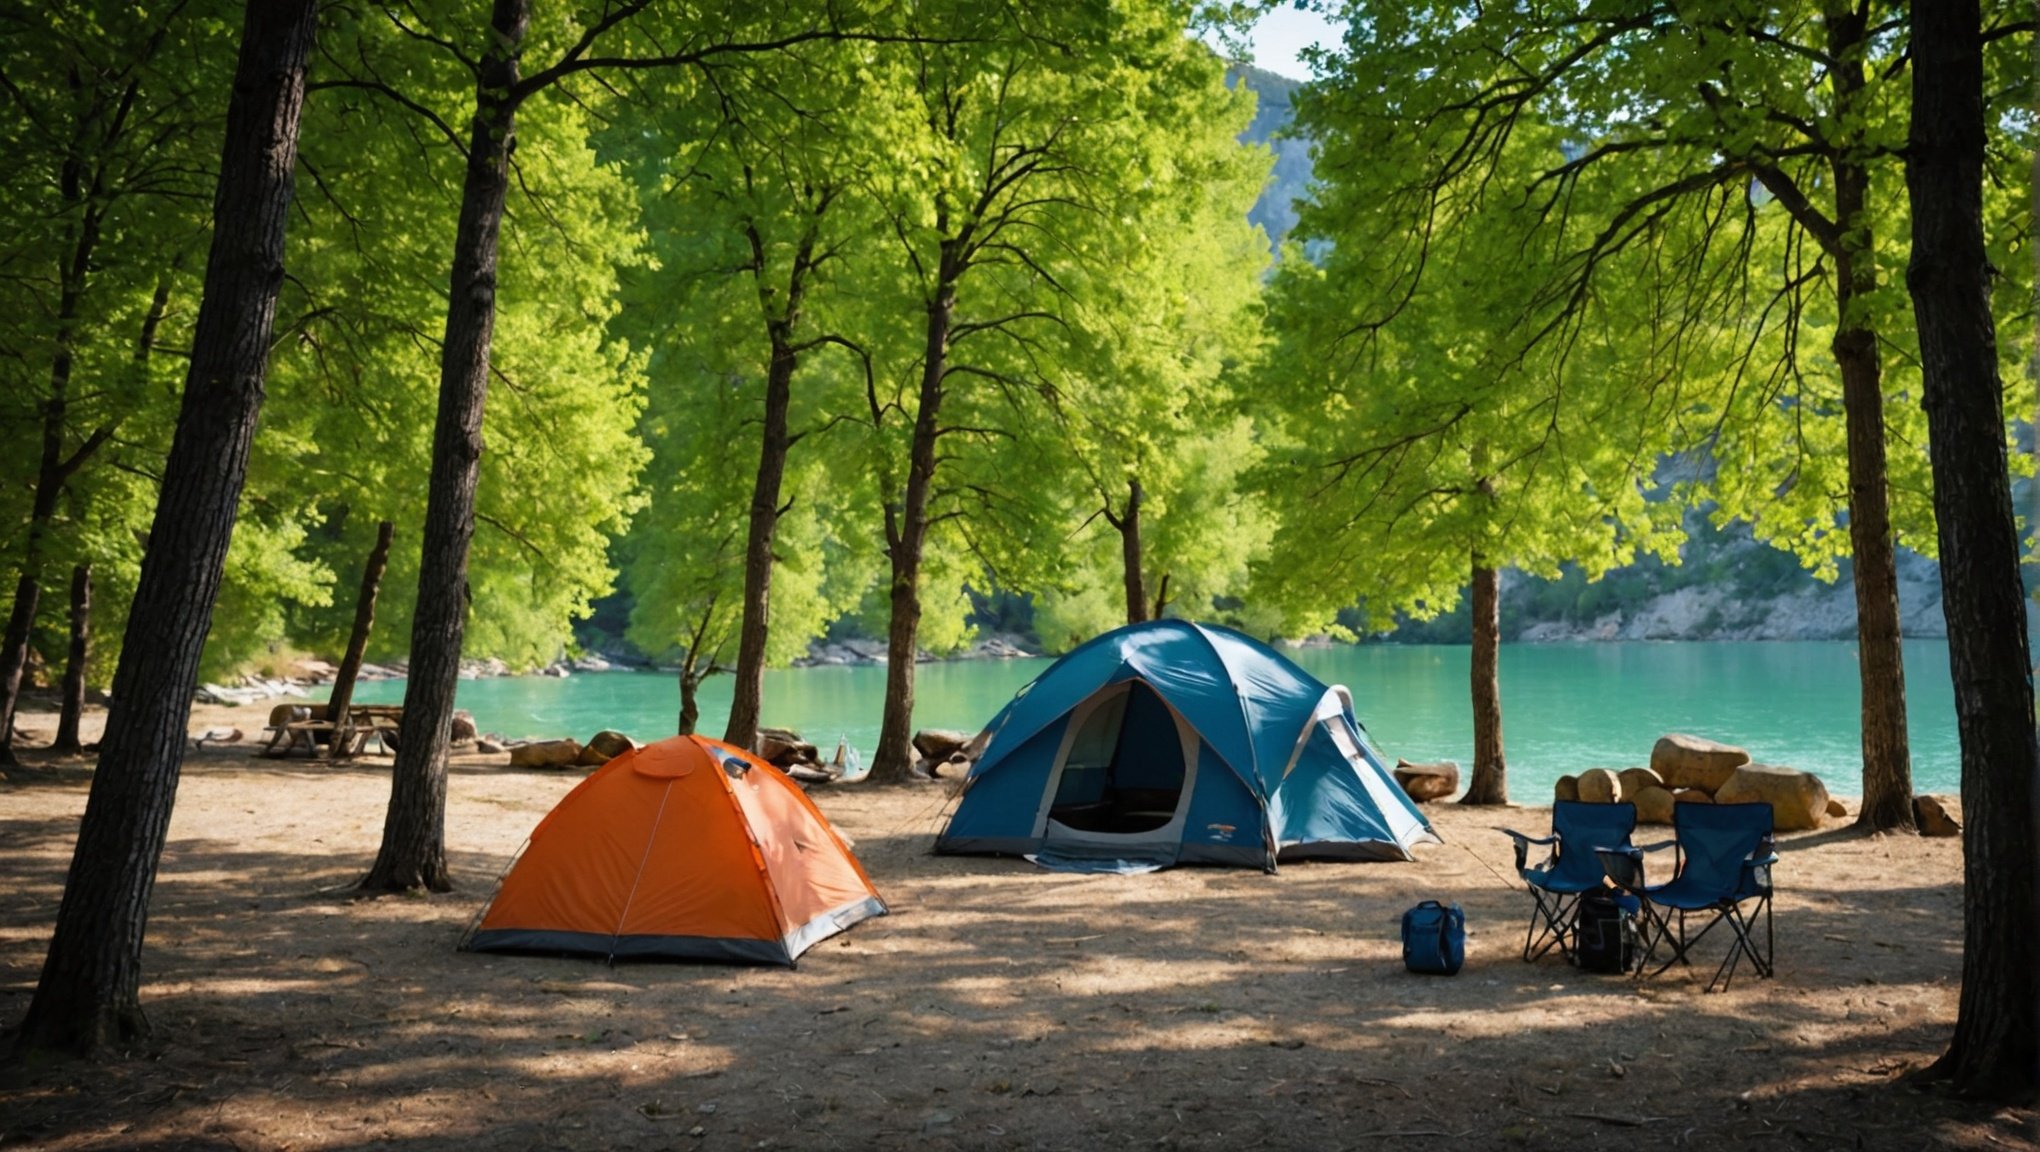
[
  {"x": 463, "y": 731},
  {"x": 1567, "y": 788},
  {"x": 1427, "y": 781},
  {"x": 975, "y": 750},
  {"x": 1798, "y": 799},
  {"x": 783, "y": 748},
  {"x": 1600, "y": 786},
  {"x": 605, "y": 746},
  {"x": 1691, "y": 796},
  {"x": 1635, "y": 780},
  {"x": 1938, "y": 815},
  {"x": 806, "y": 774},
  {"x": 546, "y": 754},
  {"x": 1653, "y": 804},
  {"x": 941, "y": 745},
  {"x": 1683, "y": 761}
]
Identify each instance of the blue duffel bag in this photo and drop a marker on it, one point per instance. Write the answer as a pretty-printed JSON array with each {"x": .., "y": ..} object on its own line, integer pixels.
[{"x": 1434, "y": 938}]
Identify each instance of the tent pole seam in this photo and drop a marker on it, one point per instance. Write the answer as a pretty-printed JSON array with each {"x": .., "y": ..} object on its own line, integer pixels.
[
  {"x": 779, "y": 917},
  {"x": 650, "y": 837}
]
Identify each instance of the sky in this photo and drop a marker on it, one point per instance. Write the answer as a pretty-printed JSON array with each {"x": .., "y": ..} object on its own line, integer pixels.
[{"x": 1282, "y": 34}]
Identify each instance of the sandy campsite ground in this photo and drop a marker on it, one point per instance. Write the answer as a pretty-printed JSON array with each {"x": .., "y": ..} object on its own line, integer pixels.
[{"x": 998, "y": 1007}]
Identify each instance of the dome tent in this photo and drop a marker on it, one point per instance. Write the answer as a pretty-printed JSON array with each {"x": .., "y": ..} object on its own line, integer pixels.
[
  {"x": 1170, "y": 742},
  {"x": 684, "y": 849}
]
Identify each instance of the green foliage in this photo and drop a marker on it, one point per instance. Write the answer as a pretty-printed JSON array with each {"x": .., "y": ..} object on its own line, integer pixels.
[
  {"x": 1152, "y": 400},
  {"x": 109, "y": 118},
  {"x": 1087, "y": 210},
  {"x": 347, "y": 432},
  {"x": 1702, "y": 155},
  {"x": 749, "y": 198},
  {"x": 1426, "y": 425}
]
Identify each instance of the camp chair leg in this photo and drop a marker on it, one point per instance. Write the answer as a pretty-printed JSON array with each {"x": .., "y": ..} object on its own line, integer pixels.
[
  {"x": 1681, "y": 944},
  {"x": 1726, "y": 973},
  {"x": 1657, "y": 930},
  {"x": 1745, "y": 944},
  {"x": 1547, "y": 928}
]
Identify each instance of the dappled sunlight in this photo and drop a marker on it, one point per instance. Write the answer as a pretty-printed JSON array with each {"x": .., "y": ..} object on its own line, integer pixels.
[{"x": 999, "y": 1005}]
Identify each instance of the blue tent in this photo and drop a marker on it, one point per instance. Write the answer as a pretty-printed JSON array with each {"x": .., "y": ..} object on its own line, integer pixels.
[{"x": 1170, "y": 742}]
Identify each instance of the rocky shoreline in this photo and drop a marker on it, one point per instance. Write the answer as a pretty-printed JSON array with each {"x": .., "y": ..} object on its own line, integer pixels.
[{"x": 305, "y": 675}]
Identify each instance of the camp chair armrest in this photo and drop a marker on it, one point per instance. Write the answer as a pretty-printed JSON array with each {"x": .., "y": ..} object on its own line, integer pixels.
[
  {"x": 1657, "y": 847},
  {"x": 1523, "y": 844},
  {"x": 1757, "y": 869},
  {"x": 1624, "y": 866}
]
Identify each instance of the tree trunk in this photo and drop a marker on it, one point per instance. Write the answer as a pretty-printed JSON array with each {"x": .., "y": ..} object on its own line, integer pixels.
[
  {"x": 413, "y": 853},
  {"x": 52, "y": 470},
  {"x": 747, "y": 700},
  {"x": 906, "y": 540},
  {"x": 690, "y": 703},
  {"x": 88, "y": 996},
  {"x": 1996, "y": 1048},
  {"x": 1129, "y": 552},
  {"x": 74, "y": 662},
  {"x": 1489, "y": 783},
  {"x": 1887, "y": 759},
  {"x": 14, "y": 646},
  {"x": 342, "y": 695}
]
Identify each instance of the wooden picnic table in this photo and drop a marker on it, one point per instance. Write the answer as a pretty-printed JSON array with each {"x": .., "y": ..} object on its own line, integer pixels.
[{"x": 311, "y": 728}]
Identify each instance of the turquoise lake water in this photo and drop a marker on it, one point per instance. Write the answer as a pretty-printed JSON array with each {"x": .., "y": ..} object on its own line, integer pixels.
[{"x": 1565, "y": 707}]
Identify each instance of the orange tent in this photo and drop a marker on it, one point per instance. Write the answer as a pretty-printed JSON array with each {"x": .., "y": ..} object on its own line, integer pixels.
[{"x": 685, "y": 849}]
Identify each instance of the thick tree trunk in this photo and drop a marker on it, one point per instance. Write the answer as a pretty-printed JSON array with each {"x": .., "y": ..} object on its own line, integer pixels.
[
  {"x": 1489, "y": 783},
  {"x": 1996, "y": 1049},
  {"x": 907, "y": 539},
  {"x": 1887, "y": 757},
  {"x": 1129, "y": 554},
  {"x": 73, "y": 709},
  {"x": 747, "y": 700},
  {"x": 413, "y": 853},
  {"x": 364, "y": 620},
  {"x": 88, "y": 995}
]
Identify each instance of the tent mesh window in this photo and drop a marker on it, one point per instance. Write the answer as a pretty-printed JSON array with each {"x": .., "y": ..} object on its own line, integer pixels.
[{"x": 1125, "y": 771}]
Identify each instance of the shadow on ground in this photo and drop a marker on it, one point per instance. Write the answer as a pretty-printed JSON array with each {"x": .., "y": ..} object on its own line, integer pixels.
[{"x": 999, "y": 1007}]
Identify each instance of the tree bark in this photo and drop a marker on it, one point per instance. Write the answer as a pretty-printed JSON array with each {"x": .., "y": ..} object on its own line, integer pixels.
[
  {"x": 1129, "y": 553},
  {"x": 906, "y": 542},
  {"x": 1489, "y": 783},
  {"x": 88, "y": 996},
  {"x": 14, "y": 645},
  {"x": 413, "y": 853},
  {"x": 50, "y": 471},
  {"x": 73, "y": 709},
  {"x": 690, "y": 703},
  {"x": 1887, "y": 758},
  {"x": 1996, "y": 1047},
  {"x": 364, "y": 620},
  {"x": 747, "y": 699}
]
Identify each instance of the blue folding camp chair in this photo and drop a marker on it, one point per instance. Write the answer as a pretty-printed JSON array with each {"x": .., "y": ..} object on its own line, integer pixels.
[
  {"x": 1723, "y": 858},
  {"x": 1569, "y": 870}
]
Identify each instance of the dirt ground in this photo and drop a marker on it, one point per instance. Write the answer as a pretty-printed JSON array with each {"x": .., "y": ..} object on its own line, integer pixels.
[{"x": 998, "y": 1006}]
